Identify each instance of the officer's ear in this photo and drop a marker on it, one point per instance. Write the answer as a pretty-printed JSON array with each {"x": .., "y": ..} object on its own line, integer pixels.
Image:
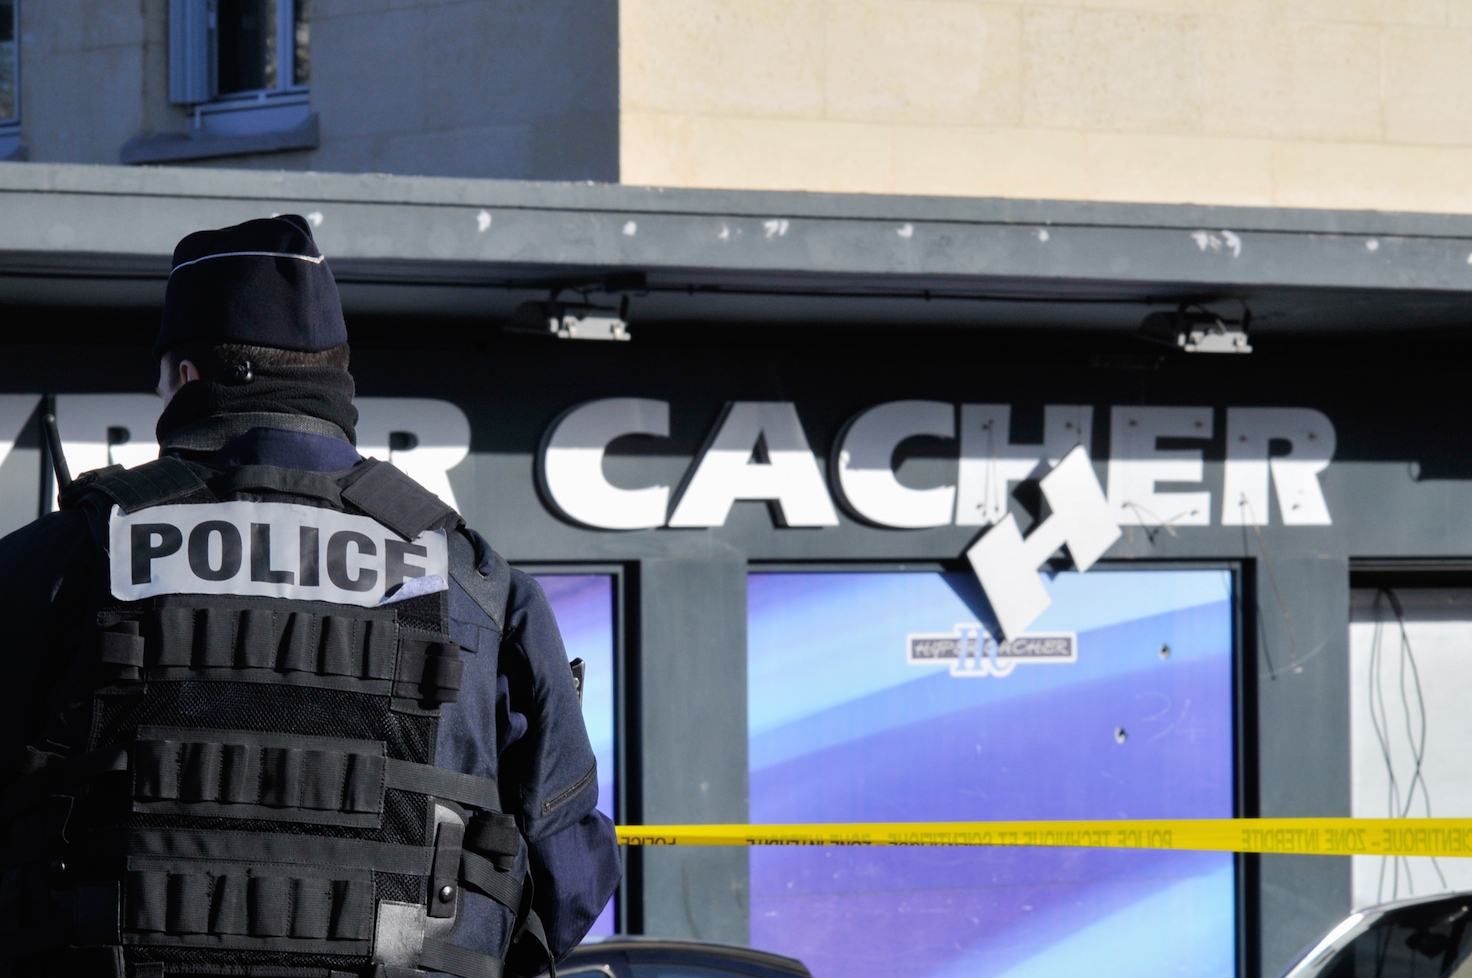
[{"x": 172, "y": 376}]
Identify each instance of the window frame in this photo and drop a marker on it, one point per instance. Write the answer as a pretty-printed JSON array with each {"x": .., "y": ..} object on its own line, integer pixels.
[{"x": 263, "y": 120}]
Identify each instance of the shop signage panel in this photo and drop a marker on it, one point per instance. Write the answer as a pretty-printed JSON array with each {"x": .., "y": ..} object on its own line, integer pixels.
[{"x": 757, "y": 450}]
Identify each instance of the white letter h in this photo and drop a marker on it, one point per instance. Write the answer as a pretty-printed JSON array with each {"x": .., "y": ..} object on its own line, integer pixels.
[{"x": 1006, "y": 564}]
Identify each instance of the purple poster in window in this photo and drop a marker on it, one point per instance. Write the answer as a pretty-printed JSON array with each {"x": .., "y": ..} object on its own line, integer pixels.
[
  {"x": 583, "y": 604},
  {"x": 880, "y": 697}
]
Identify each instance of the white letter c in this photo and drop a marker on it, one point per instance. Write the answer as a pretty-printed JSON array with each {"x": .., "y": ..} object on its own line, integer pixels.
[{"x": 572, "y": 464}]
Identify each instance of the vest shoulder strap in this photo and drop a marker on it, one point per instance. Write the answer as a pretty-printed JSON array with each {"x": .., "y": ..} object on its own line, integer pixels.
[
  {"x": 167, "y": 480},
  {"x": 395, "y": 500},
  {"x": 489, "y": 591}
]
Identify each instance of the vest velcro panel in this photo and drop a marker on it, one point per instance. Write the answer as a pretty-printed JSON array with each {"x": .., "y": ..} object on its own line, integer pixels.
[{"x": 397, "y": 501}]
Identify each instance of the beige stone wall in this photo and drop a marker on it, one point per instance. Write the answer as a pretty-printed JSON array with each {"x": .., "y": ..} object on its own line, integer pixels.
[{"x": 1301, "y": 103}]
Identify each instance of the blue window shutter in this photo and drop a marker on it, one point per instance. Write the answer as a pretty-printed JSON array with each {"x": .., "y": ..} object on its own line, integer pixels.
[{"x": 192, "y": 32}]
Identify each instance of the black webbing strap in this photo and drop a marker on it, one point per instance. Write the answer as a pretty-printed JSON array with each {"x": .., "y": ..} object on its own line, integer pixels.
[
  {"x": 238, "y": 772},
  {"x": 152, "y": 484},
  {"x": 481, "y": 875},
  {"x": 297, "y": 482},
  {"x": 395, "y": 500},
  {"x": 258, "y": 848},
  {"x": 459, "y": 961},
  {"x": 302, "y": 902},
  {"x": 529, "y": 953},
  {"x": 488, "y": 591},
  {"x": 422, "y": 779},
  {"x": 210, "y": 434},
  {"x": 429, "y": 671},
  {"x": 496, "y": 836},
  {"x": 121, "y": 651},
  {"x": 59, "y": 778}
]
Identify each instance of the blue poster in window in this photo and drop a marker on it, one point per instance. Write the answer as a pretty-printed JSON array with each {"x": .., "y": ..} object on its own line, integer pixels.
[
  {"x": 881, "y": 697},
  {"x": 583, "y": 606}
]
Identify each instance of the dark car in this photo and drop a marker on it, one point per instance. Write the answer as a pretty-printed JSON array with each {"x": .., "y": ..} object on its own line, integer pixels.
[
  {"x": 656, "y": 957},
  {"x": 1427, "y": 937}
]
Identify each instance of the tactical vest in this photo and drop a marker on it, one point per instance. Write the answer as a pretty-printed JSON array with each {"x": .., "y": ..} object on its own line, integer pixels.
[{"x": 257, "y": 795}]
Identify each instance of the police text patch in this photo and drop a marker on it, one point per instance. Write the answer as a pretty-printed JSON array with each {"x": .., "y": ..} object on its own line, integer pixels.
[{"x": 277, "y": 550}]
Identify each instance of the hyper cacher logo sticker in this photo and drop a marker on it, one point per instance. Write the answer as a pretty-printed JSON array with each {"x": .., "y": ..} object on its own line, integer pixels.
[
  {"x": 971, "y": 650},
  {"x": 276, "y": 550}
]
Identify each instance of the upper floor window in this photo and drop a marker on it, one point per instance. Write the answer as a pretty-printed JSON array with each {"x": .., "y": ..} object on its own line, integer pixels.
[
  {"x": 230, "y": 48},
  {"x": 263, "y": 45},
  {"x": 242, "y": 68},
  {"x": 9, "y": 62}
]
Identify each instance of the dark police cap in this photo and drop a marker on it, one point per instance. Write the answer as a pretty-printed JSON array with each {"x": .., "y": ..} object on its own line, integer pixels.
[{"x": 262, "y": 283}]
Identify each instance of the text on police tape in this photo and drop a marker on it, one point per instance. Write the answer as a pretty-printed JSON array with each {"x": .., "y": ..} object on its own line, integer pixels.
[{"x": 277, "y": 550}]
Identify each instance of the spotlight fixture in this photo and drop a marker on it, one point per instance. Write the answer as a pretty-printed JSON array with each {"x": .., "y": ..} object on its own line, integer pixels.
[
  {"x": 1197, "y": 331},
  {"x": 570, "y": 321}
]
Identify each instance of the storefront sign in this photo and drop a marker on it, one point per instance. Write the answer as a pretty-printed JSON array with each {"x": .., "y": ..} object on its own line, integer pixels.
[{"x": 758, "y": 451}]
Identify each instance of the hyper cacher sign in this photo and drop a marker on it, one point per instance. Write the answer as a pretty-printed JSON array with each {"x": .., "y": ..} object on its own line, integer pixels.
[{"x": 278, "y": 550}]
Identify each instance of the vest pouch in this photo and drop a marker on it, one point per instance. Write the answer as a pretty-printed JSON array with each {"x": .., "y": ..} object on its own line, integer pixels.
[
  {"x": 259, "y": 775},
  {"x": 309, "y": 908},
  {"x": 255, "y": 640}
]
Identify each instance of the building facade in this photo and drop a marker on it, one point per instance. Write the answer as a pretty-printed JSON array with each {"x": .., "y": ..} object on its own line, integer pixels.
[
  {"x": 1301, "y": 104},
  {"x": 775, "y": 521}
]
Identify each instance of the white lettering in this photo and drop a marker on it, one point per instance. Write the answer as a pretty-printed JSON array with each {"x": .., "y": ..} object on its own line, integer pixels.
[
  {"x": 1136, "y": 464},
  {"x": 760, "y": 452},
  {"x": 98, "y": 430},
  {"x": 1006, "y": 564},
  {"x": 572, "y": 464},
  {"x": 422, "y": 437},
  {"x": 991, "y": 463},
  {"x": 277, "y": 550},
  {"x": 1250, "y": 434},
  {"x": 731, "y": 468},
  {"x": 15, "y": 411},
  {"x": 866, "y": 474}
]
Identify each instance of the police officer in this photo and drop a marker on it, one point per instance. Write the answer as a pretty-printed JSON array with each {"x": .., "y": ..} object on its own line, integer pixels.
[{"x": 271, "y": 708}]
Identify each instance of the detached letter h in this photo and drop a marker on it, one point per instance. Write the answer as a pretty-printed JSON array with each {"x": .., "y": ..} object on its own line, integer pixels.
[{"x": 1006, "y": 564}]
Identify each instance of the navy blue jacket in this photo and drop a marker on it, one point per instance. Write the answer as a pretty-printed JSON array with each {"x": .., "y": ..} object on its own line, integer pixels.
[{"x": 517, "y": 720}]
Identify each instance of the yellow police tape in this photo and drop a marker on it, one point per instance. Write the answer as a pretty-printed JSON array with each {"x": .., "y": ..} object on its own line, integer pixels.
[{"x": 1293, "y": 836}]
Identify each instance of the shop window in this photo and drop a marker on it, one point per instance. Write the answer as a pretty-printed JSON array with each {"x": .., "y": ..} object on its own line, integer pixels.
[
  {"x": 877, "y": 697},
  {"x": 1409, "y": 651},
  {"x": 583, "y": 605},
  {"x": 242, "y": 67}
]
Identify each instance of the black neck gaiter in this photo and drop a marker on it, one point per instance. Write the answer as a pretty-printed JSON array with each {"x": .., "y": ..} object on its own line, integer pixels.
[{"x": 325, "y": 393}]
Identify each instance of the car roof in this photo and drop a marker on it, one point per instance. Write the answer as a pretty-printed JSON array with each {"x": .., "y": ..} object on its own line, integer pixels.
[
  {"x": 638, "y": 944},
  {"x": 1412, "y": 901}
]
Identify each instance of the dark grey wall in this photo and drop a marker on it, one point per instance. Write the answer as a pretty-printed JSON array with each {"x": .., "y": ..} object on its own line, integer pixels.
[
  {"x": 1302, "y": 739},
  {"x": 692, "y": 729}
]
